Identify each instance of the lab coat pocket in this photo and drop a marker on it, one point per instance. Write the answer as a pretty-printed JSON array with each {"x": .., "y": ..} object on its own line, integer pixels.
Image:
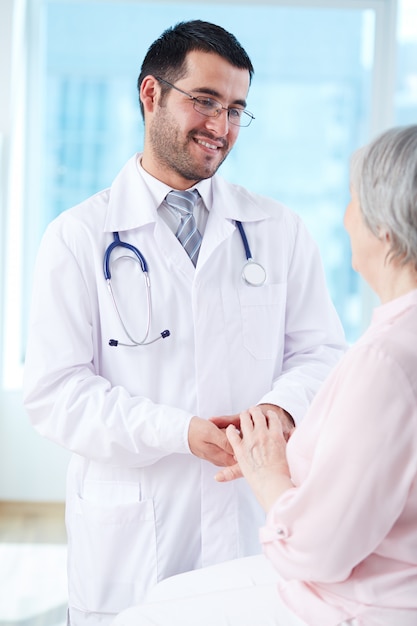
[
  {"x": 112, "y": 561},
  {"x": 263, "y": 318}
]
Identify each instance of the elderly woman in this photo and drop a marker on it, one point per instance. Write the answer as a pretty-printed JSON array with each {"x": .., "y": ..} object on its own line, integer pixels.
[{"x": 340, "y": 537}]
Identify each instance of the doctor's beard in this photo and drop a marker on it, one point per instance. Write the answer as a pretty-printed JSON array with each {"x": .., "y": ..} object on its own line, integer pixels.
[{"x": 175, "y": 154}]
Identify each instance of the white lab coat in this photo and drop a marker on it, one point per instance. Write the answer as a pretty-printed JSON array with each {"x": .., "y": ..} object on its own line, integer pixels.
[{"x": 140, "y": 506}]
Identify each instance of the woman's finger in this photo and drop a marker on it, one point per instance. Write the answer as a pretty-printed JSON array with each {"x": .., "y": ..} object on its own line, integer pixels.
[{"x": 228, "y": 473}]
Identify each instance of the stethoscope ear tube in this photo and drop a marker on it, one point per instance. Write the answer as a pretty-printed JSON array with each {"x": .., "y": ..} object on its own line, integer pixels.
[
  {"x": 123, "y": 244},
  {"x": 253, "y": 274},
  {"x": 115, "y": 342},
  {"x": 138, "y": 257}
]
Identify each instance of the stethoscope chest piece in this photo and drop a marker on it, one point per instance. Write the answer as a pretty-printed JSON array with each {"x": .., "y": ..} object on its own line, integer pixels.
[{"x": 253, "y": 273}]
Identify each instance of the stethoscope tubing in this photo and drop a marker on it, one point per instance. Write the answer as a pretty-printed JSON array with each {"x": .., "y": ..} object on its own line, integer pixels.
[
  {"x": 253, "y": 274},
  {"x": 244, "y": 240},
  {"x": 123, "y": 244}
]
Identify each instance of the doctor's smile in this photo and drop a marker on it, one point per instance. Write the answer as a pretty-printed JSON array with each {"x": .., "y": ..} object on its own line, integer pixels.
[{"x": 211, "y": 146}]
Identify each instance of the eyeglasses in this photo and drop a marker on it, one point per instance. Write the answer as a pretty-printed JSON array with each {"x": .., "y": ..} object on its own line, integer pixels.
[{"x": 211, "y": 108}]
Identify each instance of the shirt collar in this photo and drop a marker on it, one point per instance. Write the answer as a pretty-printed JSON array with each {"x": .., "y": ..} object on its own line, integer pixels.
[
  {"x": 159, "y": 190},
  {"x": 392, "y": 309}
]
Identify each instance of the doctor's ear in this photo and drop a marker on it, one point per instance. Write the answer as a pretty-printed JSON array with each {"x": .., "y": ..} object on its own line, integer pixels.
[{"x": 149, "y": 93}]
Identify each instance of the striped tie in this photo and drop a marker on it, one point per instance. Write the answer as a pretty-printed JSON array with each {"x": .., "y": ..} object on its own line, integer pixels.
[{"x": 187, "y": 233}]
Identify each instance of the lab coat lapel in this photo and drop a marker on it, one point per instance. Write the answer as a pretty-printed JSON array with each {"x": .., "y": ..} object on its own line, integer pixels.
[
  {"x": 217, "y": 230},
  {"x": 227, "y": 203},
  {"x": 171, "y": 249}
]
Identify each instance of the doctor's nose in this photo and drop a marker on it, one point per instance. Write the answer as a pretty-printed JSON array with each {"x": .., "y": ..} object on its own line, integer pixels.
[{"x": 219, "y": 124}]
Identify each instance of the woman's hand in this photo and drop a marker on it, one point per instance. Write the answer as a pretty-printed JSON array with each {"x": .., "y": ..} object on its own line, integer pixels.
[{"x": 260, "y": 451}]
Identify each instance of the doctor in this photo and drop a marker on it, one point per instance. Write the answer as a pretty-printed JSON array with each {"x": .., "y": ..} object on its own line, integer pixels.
[{"x": 142, "y": 502}]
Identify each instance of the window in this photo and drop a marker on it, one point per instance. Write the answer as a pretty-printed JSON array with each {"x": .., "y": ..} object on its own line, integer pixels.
[
  {"x": 406, "y": 83},
  {"x": 311, "y": 96},
  {"x": 315, "y": 95}
]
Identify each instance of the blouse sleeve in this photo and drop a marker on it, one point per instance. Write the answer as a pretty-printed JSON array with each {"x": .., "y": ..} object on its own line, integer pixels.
[{"x": 360, "y": 473}]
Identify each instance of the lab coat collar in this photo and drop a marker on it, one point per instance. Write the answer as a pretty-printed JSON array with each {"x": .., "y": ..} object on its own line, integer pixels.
[
  {"x": 133, "y": 203},
  {"x": 233, "y": 202}
]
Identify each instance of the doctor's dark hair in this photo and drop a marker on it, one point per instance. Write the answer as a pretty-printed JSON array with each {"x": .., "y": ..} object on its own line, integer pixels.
[
  {"x": 383, "y": 175},
  {"x": 166, "y": 57}
]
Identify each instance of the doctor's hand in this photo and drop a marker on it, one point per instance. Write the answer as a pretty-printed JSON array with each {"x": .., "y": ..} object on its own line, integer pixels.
[
  {"x": 209, "y": 442},
  {"x": 260, "y": 451}
]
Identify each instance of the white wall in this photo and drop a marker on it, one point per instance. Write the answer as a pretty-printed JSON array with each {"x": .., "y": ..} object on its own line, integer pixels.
[{"x": 31, "y": 468}]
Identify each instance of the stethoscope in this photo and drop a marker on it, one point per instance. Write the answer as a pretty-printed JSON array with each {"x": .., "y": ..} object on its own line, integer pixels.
[{"x": 253, "y": 274}]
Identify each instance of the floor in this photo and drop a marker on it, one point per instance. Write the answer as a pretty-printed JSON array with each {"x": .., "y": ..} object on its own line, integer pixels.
[{"x": 33, "y": 584}]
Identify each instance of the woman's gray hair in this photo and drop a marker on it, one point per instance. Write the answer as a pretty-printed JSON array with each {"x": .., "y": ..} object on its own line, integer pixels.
[{"x": 383, "y": 174}]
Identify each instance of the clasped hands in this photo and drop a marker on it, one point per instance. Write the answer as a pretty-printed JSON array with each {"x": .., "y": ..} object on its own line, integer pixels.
[{"x": 250, "y": 444}]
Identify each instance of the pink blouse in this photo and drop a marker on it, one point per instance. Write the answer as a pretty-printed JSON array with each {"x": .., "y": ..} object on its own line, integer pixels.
[{"x": 345, "y": 537}]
